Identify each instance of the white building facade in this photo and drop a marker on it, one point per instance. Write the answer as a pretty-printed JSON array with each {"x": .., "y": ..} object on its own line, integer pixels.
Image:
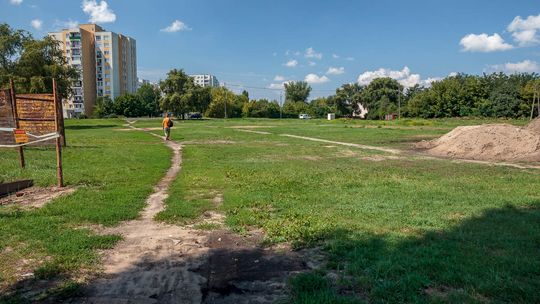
[{"x": 205, "y": 80}]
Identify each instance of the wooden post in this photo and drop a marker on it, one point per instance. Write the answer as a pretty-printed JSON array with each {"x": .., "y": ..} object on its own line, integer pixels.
[
  {"x": 57, "y": 118},
  {"x": 60, "y": 113},
  {"x": 16, "y": 119}
]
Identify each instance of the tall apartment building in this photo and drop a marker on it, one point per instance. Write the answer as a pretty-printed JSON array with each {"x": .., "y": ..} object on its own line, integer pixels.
[
  {"x": 107, "y": 64},
  {"x": 205, "y": 80}
]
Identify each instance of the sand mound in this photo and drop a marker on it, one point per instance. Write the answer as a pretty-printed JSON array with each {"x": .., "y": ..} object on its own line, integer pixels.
[
  {"x": 534, "y": 126},
  {"x": 493, "y": 142}
]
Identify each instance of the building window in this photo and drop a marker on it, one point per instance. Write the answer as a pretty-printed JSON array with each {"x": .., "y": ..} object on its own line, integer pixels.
[
  {"x": 106, "y": 37},
  {"x": 98, "y": 38},
  {"x": 106, "y": 44}
]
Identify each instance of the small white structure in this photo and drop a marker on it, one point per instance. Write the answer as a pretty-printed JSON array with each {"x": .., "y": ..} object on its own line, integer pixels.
[
  {"x": 304, "y": 116},
  {"x": 331, "y": 116}
]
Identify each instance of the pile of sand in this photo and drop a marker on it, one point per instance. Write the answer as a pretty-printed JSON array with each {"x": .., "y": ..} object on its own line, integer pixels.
[
  {"x": 492, "y": 142},
  {"x": 534, "y": 126}
]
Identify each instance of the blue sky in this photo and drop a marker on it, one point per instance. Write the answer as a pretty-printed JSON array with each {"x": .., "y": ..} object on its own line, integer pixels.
[{"x": 249, "y": 43}]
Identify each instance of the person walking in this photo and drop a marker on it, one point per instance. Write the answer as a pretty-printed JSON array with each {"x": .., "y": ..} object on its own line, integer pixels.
[{"x": 167, "y": 125}]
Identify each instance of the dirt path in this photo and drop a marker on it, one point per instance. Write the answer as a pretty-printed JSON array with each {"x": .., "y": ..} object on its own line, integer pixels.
[{"x": 159, "y": 263}]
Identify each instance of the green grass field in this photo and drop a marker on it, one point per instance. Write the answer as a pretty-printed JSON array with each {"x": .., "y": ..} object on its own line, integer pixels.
[{"x": 395, "y": 228}]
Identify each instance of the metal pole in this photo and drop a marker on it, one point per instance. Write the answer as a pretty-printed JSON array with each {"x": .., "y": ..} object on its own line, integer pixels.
[
  {"x": 225, "y": 85},
  {"x": 280, "y": 105},
  {"x": 399, "y": 104},
  {"x": 59, "y": 172},
  {"x": 16, "y": 119}
]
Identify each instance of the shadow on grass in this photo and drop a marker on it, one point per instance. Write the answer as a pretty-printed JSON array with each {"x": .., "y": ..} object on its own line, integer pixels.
[{"x": 493, "y": 257}]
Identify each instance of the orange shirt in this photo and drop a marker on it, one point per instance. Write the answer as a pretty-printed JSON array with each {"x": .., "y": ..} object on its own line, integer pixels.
[{"x": 165, "y": 122}]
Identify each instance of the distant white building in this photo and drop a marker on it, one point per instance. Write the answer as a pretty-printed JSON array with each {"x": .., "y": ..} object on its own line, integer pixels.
[
  {"x": 205, "y": 80},
  {"x": 141, "y": 82}
]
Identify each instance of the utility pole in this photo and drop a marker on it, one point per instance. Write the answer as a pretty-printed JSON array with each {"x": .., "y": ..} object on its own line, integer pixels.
[
  {"x": 399, "y": 104},
  {"x": 280, "y": 105},
  {"x": 225, "y": 85}
]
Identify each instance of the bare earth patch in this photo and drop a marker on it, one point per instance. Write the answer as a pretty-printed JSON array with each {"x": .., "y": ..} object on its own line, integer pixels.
[{"x": 35, "y": 197}]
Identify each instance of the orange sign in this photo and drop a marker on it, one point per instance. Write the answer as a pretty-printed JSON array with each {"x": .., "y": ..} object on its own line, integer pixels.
[{"x": 20, "y": 136}]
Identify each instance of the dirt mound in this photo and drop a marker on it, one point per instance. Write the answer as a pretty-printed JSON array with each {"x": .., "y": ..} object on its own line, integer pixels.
[
  {"x": 492, "y": 142},
  {"x": 534, "y": 126}
]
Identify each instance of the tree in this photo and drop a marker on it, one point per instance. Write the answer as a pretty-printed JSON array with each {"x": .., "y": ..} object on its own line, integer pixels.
[
  {"x": 201, "y": 99},
  {"x": 322, "y": 106},
  {"x": 347, "y": 99},
  {"x": 104, "y": 107},
  {"x": 149, "y": 98},
  {"x": 11, "y": 46},
  {"x": 129, "y": 105},
  {"x": 297, "y": 91},
  {"x": 381, "y": 97},
  {"x": 32, "y": 64},
  {"x": 178, "y": 89},
  {"x": 220, "y": 97}
]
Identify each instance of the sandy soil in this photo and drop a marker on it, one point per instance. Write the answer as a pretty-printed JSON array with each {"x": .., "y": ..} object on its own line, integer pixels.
[
  {"x": 534, "y": 126},
  {"x": 35, "y": 197},
  {"x": 490, "y": 142}
]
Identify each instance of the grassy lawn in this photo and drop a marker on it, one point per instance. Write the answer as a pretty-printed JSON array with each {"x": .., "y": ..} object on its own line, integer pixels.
[
  {"x": 396, "y": 230},
  {"x": 113, "y": 171}
]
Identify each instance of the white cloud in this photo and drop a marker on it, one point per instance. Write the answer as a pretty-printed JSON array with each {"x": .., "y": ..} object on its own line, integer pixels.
[
  {"x": 453, "y": 74},
  {"x": 176, "y": 26},
  {"x": 429, "y": 81},
  {"x": 36, "y": 24},
  {"x": 519, "y": 24},
  {"x": 484, "y": 43},
  {"x": 525, "y": 66},
  {"x": 279, "y": 78},
  {"x": 279, "y": 86},
  {"x": 350, "y": 58},
  {"x": 274, "y": 54},
  {"x": 404, "y": 77},
  {"x": 99, "y": 13},
  {"x": 315, "y": 79},
  {"x": 311, "y": 63},
  {"x": 526, "y": 38},
  {"x": 335, "y": 71},
  {"x": 525, "y": 31},
  {"x": 68, "y": 24},
  {"x": 335, "y": 56},
  {"x": 276, "y": 86},
  {"x": 311, "y": 53},
  {"x": 16, "y": 2},
  {"x": 291, "y": 63}
]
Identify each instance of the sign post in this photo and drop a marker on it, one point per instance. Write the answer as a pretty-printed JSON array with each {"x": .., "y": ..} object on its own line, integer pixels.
[
  {"x": 16, "y": 118},
  {"x": 57, "y": 118},
  {"x": 32, "y": 119}
]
